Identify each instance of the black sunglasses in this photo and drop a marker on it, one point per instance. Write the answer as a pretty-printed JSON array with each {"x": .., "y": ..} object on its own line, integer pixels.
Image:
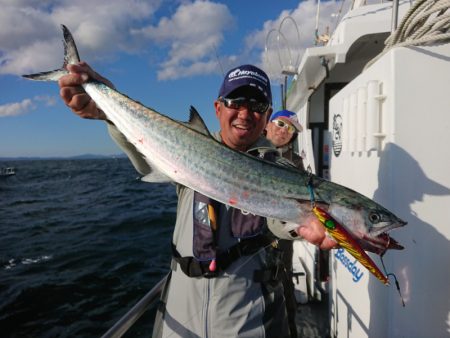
[{"x": 251, "y": 104}]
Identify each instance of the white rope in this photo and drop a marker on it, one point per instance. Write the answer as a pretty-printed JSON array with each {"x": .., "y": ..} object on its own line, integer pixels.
[{"x": 427, "y": 22}]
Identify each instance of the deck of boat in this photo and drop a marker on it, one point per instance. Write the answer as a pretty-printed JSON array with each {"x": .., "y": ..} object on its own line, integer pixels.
[{"x": 313, "y": 319}]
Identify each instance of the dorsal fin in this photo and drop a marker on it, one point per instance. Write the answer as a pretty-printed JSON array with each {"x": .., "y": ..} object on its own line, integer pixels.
[{"x": 196, "y": 122}]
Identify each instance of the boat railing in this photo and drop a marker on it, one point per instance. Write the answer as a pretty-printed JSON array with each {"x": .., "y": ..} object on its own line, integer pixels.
[{"x": 124, "y": 323}]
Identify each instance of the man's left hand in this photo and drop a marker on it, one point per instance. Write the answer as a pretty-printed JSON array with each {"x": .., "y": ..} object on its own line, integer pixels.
[{"x": 314, "y": 232}]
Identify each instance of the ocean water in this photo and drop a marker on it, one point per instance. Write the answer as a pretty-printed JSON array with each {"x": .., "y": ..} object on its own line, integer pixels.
[{"x": 81, "y": 241}]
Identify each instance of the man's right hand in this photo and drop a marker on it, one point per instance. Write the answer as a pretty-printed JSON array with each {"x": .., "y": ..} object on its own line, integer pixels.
[{"x": 73, "y": 94}]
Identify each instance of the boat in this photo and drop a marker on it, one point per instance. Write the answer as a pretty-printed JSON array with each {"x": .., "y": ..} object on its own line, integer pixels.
[
  {"x": 7, "y": 171},
  {"x": 376, "y": 118}
]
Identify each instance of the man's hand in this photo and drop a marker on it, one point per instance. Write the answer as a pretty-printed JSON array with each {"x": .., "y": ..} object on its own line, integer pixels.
[
  {"x": 73, "y": 94},
  {"x": 314, "y": 232}
]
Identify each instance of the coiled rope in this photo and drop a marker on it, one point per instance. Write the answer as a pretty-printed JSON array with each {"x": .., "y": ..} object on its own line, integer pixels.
[{"x": 427, "y": 22}]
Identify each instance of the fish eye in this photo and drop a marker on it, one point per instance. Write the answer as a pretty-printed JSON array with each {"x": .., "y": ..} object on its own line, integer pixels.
[{"x": 374, "y": 217}]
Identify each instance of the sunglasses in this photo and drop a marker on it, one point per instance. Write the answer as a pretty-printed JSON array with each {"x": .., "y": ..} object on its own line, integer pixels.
[
  {"x": 280, "y": 123},
  {"x": 251, "y": 104}
]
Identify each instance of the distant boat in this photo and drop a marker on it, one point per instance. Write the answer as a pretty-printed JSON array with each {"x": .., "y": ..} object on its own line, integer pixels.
[{"x": 7, "y": 171}]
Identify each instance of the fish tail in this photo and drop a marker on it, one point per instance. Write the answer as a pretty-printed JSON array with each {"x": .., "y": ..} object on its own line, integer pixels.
[{"x": 71, "y": 56}]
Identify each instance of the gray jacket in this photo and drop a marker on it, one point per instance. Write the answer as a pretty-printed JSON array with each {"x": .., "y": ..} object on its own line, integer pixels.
[{"x": 229, "y": 305}]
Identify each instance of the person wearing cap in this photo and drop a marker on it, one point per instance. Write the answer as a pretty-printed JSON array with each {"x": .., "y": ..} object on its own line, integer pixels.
[
  {"x": 282, "y": 130},
  {"x": 223, "y": 280}
]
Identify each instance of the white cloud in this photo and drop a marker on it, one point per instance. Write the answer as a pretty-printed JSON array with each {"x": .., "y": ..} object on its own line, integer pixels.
[
  {"x": 32, "y": 57},
  {"x": 30, "y": 37},
  {"x": 188, "y": 37},
  {"x": 192, "y": 33},
  {"x": 288, "y": 47},
  {"x": 26, "y": 105},
  {"x": 17, "y": 108},
  {"x": 49, "y": 101},
  {"x": 177, "y": 71}
]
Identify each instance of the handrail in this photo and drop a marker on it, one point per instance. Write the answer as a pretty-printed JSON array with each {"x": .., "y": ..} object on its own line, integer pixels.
[
  {"x": 394, "y": 20},
  {"x": 124, "y": 323}
]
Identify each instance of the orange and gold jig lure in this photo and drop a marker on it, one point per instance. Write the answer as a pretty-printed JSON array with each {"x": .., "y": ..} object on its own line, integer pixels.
[{"x": 345, "y": 240}]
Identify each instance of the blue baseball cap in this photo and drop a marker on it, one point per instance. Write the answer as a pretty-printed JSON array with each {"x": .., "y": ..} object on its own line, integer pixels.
[
  {"x": 246, "y": 75},
  {"x": 287, "y": 116}
]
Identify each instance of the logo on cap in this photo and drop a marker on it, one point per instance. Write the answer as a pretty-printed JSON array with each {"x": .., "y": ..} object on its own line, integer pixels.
[
  {"x": 246, "y": 75},
  {"x": 243, "y": 73}
]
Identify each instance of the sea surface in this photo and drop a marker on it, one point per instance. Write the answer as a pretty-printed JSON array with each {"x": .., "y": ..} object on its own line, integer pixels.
[{"x": 81, "y": 241}]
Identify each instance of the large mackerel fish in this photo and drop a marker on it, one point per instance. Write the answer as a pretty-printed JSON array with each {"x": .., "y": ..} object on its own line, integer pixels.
[{"x": 186, "y": 153}]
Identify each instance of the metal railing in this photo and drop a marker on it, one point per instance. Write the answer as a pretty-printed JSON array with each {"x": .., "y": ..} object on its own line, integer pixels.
[{"x": 124, "y": 323}]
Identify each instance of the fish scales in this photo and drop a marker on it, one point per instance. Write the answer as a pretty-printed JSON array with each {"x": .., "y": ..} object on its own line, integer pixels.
[{"x": 228, "y": 177}]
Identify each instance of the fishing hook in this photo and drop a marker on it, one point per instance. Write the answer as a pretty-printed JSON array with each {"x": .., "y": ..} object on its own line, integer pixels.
[{"x": 391, "y": 274}]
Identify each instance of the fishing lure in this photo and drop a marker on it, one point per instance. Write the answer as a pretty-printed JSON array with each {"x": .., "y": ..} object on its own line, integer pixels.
[{"x": 345, "y": 240}]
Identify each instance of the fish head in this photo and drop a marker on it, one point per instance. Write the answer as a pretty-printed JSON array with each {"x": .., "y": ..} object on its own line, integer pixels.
[{"x": 369, "y": 226}]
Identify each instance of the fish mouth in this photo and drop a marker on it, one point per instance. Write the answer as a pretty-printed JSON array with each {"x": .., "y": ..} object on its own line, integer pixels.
[{"x": 381, "y": 243}]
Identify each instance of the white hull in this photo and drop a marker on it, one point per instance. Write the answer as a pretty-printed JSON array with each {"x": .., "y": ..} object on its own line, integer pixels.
[
  {"x": 386, "y": 135},
  {"x": 410, "y": 175}
]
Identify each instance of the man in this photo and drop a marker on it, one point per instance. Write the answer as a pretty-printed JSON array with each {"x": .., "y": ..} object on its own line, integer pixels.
[
  {"x": 223, "y": 283},
  {"x": 281, "y": 130}
]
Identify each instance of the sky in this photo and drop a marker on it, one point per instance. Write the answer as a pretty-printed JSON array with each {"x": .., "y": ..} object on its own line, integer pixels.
[{"x": 166, "y": 54}]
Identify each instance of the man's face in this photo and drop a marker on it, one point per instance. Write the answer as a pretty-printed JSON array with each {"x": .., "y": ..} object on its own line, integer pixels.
[
  {"x": 279, "y": 136},
  {"x": 241, "y": 127}
]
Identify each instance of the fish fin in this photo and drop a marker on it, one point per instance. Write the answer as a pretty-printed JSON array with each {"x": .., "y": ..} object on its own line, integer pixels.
[
  {"x": 53, "y": 75},
  {"x": 71, "y": 56},
  {"x": 156, "y": 177},
  {"x": 196, "y": 122}
]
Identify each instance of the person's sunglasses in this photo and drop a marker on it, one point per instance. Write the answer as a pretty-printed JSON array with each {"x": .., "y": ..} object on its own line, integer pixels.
[
  {"x": 280, "y": 123},
  {"x": 251, "y": 104}
]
